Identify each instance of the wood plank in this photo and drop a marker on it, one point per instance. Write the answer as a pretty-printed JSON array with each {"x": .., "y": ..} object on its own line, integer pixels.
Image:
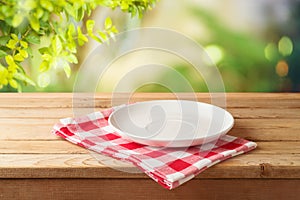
[
  {"x": 64, "y": 147},
  {"x": 57, "y": 113},
  {"x": 64, "y": 100},
  {"x": 40, "y": 147},
  {"x": 239, "y": 123},
  {"x": 251, "y": 129},
  {"x": 27, "y": 132},
  {"x": 43, "y": 113},
  {"x": 28, "y": 150},
  {"x": 267, "y": 134},
  {"x": 265, "y": 113},
  {"x": 146, "y": 189},
  {"x": 28, "y": 121},
  {"x": 267, "y": 129},
  {"x": 88, "y": 166},
  {"x": 27, "y": 129},
  {"x": 267, "y": 123}
]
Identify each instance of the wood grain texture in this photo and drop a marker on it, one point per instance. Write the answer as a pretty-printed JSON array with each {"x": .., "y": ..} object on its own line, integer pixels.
[
  {"x": 33, "y": 161},
  {"x": 103, "y": 100},
  {"x": 145, "y": 189},
  {"x": 250, "y": 165},
  {"x": 64, "y": 147},
  {"x": 57, "y": 113},
  {"x": 252, "y": 129}
]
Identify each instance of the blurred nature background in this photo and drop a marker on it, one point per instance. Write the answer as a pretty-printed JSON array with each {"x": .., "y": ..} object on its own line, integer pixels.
[{"x": 255, "y": 45}]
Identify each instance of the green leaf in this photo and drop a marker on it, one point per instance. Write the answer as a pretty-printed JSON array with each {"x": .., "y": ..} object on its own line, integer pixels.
[
  {"x": 2, "y": 53},
  {"x": 44, "y": 66},
  {"x": 12, "y": 69},
  {"x": 108, "y": 23},
  {"x": 102, "y": 35},
  {"x": 5, "y": 48},
  {"x": 45, "y": 18},
  {"x": 124, "y": 5},
  {"x": 18, "y": 57},
  {"x": 80, "y": 37},
  {"x": 47, "y": 5},
  {"x": 114, "y": 29},
  {"x": 17, "y": 20},
  {"x": 67, "y": 69},
  {"x": 33, "y": 38},
  {"x": 12, "y": 44},
  {"x": 5, "y": 28},
  {"x": 44, "y": 50},
  {"x": 79, "y": 14},
  {"x": 39, "y": 13},
  {"x": 24, "y": 44},
  {"x": 78, "y": 4},
  {"x": 3, "y": 75},
  {"x": 90, "y": 26},
  {"x": 5, "y": 82},
  {"x": 23, "y": 77},
  {"x": 133, "y": 11},
  {"x": 47, "y": 57},
  {"x": 9, "y": 60},
  {"x": 23, "y": 53},
  {"x": 29, "y": 5},
  {"x": 13, "y": 83},
  {"x": 56, "y": 45},
  {"x": 72, "y": 59},
  {"x": 34, "y": 23},
  {"x": 71, "y": 46},
  {"x": 15, "y": 37},
  {"x": 96, "y": 38},
  {"x": 70, "y": 10},
  {"x": 4, "y": 39},
  {"x": 71, "y": 30},
  {"x": 29, "y": 51}
]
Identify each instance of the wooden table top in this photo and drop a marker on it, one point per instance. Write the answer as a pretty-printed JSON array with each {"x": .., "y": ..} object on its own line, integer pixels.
[{"x": 29, "y": 150}]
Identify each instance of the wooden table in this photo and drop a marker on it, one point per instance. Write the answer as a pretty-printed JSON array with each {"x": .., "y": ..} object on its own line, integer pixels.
[{"x": 35, "y": 164}]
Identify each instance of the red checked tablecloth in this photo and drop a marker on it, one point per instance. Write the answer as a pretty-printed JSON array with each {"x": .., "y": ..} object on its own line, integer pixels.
[{"x": 170, "y": 167}]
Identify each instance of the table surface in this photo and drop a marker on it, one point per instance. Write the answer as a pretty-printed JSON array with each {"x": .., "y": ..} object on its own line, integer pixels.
[{"x": 28, "y": 151}]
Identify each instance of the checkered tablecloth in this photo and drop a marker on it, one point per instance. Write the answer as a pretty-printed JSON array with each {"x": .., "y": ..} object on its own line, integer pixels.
[{"x": 170, "y": 167}]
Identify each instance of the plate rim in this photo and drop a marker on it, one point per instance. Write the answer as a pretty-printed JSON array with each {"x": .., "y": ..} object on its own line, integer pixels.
[{"x": 132, "y": 137}]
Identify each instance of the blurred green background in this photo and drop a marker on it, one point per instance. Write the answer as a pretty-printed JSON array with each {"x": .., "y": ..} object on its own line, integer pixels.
[{"x": 255, "y": 45}]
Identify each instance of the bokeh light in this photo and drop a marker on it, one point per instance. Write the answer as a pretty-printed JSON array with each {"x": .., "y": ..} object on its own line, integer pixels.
[
  {"x": 282, "y": 68},
  {"x": 271, "y": 52},
  {"x": 285, "y": 46},
  {"x": 215, "y": 52},
  {"x": 255, "y": 45}
]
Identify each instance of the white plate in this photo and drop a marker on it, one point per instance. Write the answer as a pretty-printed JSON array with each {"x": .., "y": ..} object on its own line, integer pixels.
[{"x": 171, "y": 123}]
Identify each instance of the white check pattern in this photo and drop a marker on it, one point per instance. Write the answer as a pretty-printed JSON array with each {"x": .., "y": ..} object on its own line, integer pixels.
[{"x": 170, "y": 167}]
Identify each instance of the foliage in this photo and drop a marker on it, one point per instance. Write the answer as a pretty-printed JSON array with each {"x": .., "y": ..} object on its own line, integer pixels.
[
  {"x": 250, "y": 63},
  {"x": 247, "y": 62},
  {"x": 243, "y": 56},
  {"x": 24, "y": 22}
]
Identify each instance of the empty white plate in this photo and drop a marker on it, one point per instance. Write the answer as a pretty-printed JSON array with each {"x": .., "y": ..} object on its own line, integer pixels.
[{"x": 171, "y": 123}]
